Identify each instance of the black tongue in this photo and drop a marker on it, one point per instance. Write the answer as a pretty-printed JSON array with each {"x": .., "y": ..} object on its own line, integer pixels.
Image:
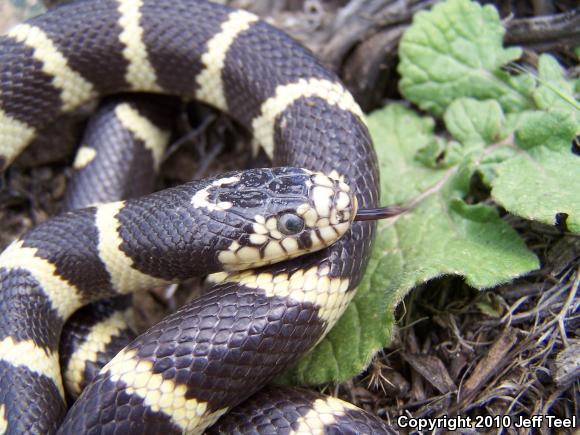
[{"x": 372, "y": 214}]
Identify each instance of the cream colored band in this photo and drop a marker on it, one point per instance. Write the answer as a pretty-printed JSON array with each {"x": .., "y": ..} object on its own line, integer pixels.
[
  {"x": 209, "y": 80},
  {"x": 124, "y": 277},
  {"x": 323, "y": 414},
  {"x": 3, "y": 420},
  {"x": 140, "y": 73},
  {"x": 160, "y": 395},
  {"x": 64, "y": 297},
  {"x": 27, "y": 354},
  {"x": 97, "y": 340},
  {"x": 332, "y": 92},
  {"x": 74, "y": 89},
  {"x": 14, "y": 137},
  {"x": 154, "y": 138}
]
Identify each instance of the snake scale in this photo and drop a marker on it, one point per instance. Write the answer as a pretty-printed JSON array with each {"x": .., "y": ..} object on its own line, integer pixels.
[{"x": 214, "y": 353}]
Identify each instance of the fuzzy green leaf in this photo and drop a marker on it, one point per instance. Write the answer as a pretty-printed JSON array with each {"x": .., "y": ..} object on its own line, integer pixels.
[
  {"x": 455, "y": 50},
  {"x": 543, "y": 180},
  {"x": 554, "y": 91},
  {"x": 442, "y": 236},
  {"x": 474, "y": 123}
]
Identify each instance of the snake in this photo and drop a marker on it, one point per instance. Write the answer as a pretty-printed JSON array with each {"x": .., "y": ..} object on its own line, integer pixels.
[{"x": 211, "y": 355}]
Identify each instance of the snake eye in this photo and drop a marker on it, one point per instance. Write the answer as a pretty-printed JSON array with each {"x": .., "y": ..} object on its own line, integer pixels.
[{"x": 290, "y": 224}]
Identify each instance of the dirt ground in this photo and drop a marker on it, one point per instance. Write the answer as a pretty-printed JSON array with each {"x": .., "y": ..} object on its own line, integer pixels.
[{"x": 513, "y": 350}]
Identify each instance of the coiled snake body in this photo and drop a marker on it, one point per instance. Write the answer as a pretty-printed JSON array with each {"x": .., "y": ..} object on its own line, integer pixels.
[{"x": 185, "y": 372}]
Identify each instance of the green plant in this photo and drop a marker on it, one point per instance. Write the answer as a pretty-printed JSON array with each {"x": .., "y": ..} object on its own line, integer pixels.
[{"x": 513, "y": 131}]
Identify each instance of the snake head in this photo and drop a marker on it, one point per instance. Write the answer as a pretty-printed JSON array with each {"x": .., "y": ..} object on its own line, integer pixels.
[{"x": 288, "y": 212}]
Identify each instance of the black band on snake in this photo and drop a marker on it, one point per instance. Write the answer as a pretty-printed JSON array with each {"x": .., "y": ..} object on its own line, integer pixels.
[
  {"x": 211, "y": 355},
  {"x": 120, "y": 150}
]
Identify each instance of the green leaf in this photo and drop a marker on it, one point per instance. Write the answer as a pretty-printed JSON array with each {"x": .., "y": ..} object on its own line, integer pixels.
[
  {"x": 490, "y": 304},
  {"x": 443, "y": 235},
  {"x": 554, "y": 91},
  {"x": 554, "y": 130},
  {"x": 455, "y": 50},
  {"x": 440, "y": 153},
  {"x": 543, "y": 180},
  {"x": 474, "y": 123},
  {"x": 490, "y": 162},
  {"x": 478, "y": 124}
]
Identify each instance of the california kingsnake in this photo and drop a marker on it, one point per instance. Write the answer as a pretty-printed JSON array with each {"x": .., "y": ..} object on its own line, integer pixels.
[{"x": 296, "y": 110}]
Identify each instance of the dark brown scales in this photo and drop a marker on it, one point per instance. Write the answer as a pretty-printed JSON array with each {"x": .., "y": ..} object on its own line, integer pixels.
[{"x": 310, "y": 133}]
